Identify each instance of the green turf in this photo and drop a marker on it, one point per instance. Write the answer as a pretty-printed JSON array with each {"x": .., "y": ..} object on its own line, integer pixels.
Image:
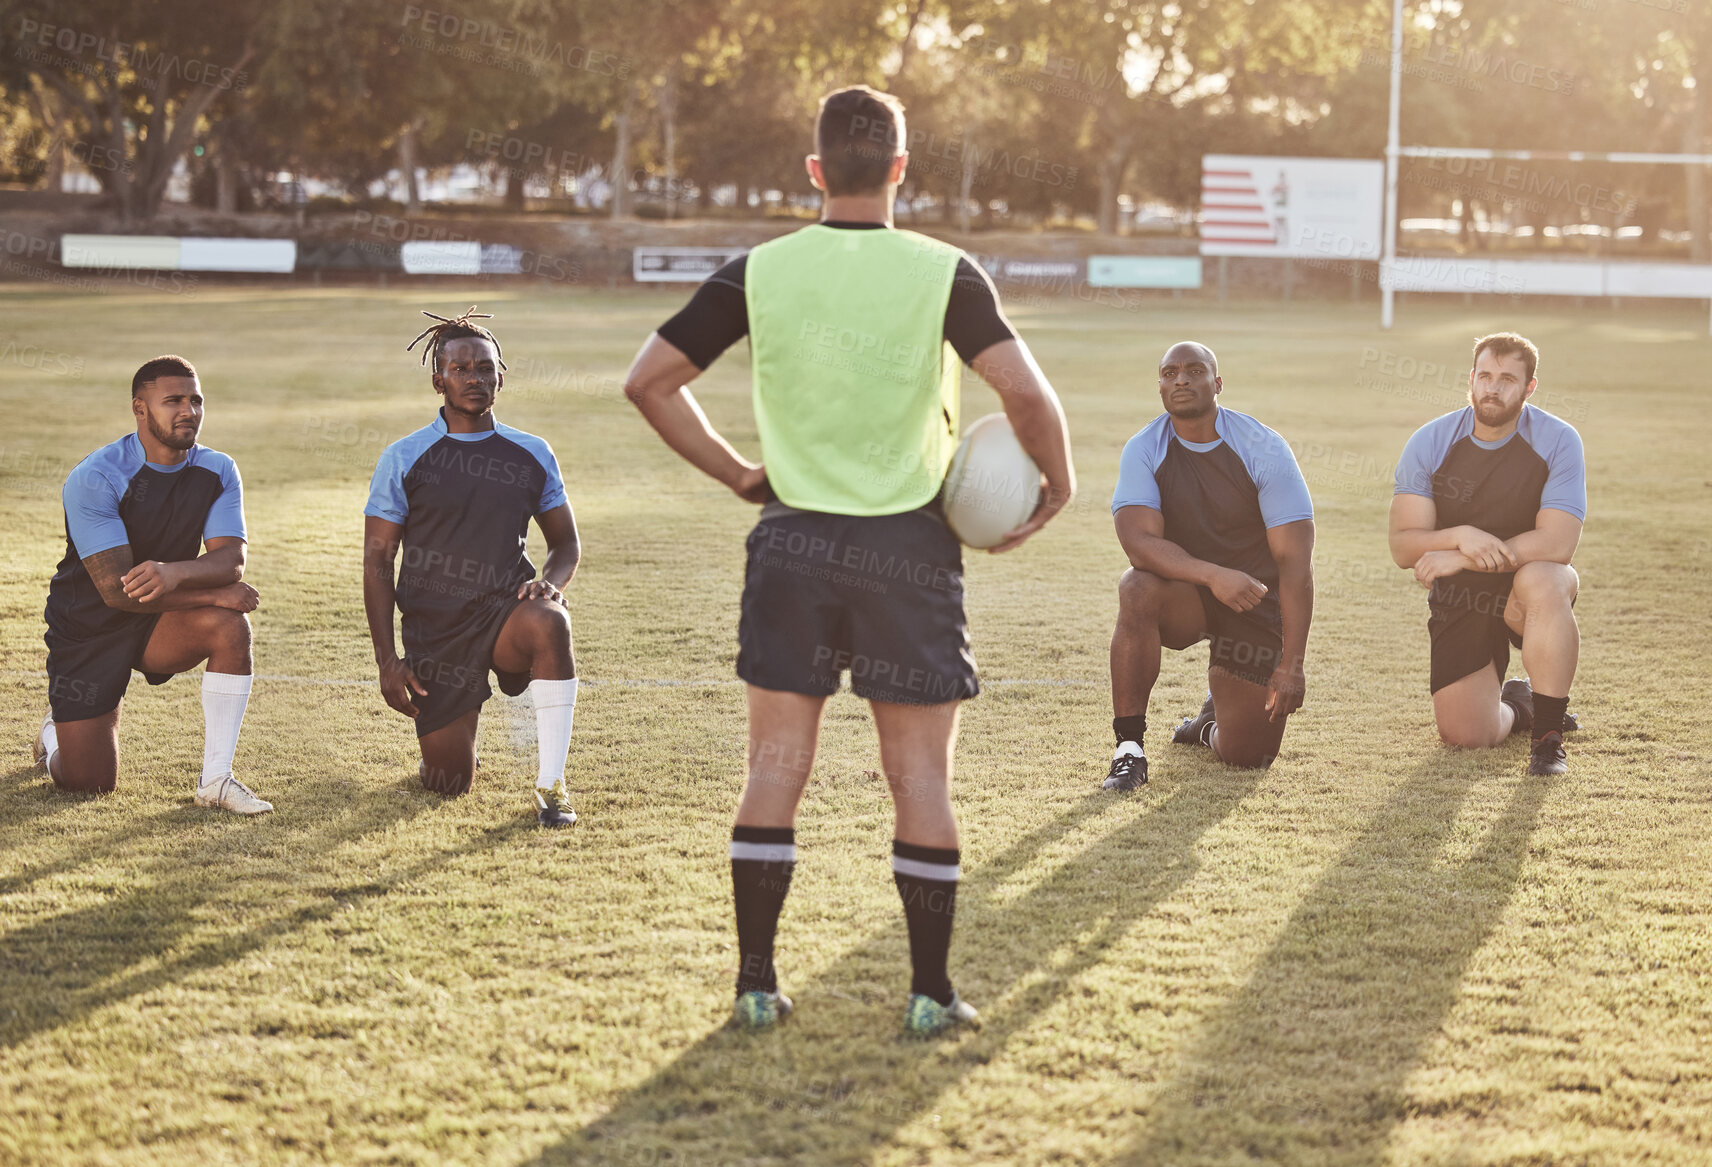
[{"x": 1378, "y": 951}]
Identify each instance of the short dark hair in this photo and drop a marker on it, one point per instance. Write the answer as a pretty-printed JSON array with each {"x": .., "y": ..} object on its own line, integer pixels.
[
  {"x": 167, "y": 366},
  {"x": 858, "y": 134},
  {"x": 1509, "y": 344}
]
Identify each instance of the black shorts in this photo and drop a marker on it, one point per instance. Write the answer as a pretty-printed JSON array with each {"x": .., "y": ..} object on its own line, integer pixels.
[
  {"x": 88, "y": 677},
  {"x": 452, "y": 663},
  {"x": 880, "y": 595},
  {"x": 1243, "y": 644},
  {"x": 1466, "y": 639}
]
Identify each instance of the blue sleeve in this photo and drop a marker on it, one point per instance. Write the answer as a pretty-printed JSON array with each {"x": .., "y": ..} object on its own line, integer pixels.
[
  {"x": 1136, "y": 485},
  {"x": 553, "y": 489},
  {"x": 1566, "y": 476},
  {"x": 92, "y": 512},
  {"x": 386, "y": 489},
  {"x": 226, "y": 516},
  {"x": 1283, "y": 491},
  {"x": 1421, "y": 457}
]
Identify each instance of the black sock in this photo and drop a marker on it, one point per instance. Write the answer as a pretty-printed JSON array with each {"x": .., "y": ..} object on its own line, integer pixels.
[
  {"x": 762, "y": 859},
  {"x": 1548, "y": 715},
  {"x": 927, "y": 883},
  {"x": 1130, "y": 729}
]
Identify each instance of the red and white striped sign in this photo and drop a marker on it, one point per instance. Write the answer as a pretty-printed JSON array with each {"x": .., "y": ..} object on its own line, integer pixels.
[
  {"x": 1232, "y": 210},
  {"x": 1264, "y": 206}
]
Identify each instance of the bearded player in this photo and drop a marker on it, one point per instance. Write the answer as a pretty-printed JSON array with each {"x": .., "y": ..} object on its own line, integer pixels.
[
  {"x": 132, "y": 592},
  {"x": 1214, "y": 516},
  {"x": 1487, "y": 513},
  {"x": 457, "y": 495}
]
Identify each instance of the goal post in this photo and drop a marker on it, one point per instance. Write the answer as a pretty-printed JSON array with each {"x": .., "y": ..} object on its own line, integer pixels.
[{"x": 1395, "y": 152}]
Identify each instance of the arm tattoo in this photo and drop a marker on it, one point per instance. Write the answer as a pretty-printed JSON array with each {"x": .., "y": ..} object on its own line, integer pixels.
[{"x": 106, "y": 569}]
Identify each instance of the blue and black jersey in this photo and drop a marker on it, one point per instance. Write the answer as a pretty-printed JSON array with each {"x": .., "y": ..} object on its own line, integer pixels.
[
  {"x": 1497, "y": 487},
  {"x": 1219, "y": 498},
  {"x": 464, "y": 501},
  {"x": 115, "y": 497}
]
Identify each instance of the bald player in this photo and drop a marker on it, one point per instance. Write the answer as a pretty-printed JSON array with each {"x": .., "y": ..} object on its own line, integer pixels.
[{"x": 1214, "y": 515}]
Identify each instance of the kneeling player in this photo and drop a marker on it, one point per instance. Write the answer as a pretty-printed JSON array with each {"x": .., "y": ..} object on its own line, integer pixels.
[
  {"x": 132, "y": 592},
  {"x": 1214, "y": 515},
  {"x": 458, "y": 494},
  {"x": 1487, "y": 512}
]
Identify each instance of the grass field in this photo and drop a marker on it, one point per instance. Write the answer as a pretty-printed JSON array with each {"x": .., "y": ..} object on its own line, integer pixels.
[{"x": 1378, "y": 951}]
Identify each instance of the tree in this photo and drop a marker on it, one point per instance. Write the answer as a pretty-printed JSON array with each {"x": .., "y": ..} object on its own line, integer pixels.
[
  {"x": 1132, "y": 75},
  {"x": 135, "y": 79}
]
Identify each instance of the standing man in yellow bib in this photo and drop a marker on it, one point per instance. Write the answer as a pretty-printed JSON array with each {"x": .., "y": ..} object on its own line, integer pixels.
[{"x": 852, "y": 565}]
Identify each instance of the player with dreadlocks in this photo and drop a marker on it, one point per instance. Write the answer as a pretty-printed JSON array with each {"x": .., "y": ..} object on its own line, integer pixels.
[{"x": 458, "y": 495}]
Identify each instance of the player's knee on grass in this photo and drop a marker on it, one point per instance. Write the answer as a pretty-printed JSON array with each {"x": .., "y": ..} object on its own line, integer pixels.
[
  {"x": 1471, "y": 734},
  {"x": 1245, "y": 759},
  {"x": 1244, "y": 752},
  {"x": 1463, "y": 737},
  {"x": 450, "y": 781},
  {"x": 84, "y": 781},
  {"x": 1468, "y": 713},
  {"x": 84, "y": 767}
]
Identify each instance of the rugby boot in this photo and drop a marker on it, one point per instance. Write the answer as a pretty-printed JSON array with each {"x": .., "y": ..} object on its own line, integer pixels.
[
  {"x": 1129, "y": 768},
  {"x": 756, "y": 1010},
  {"x": 925, "y": 1017},
  {"x": 1196, "y": 730},
  {"x": 1547, "y": 758},
  {"x": 553, "y": 806}
]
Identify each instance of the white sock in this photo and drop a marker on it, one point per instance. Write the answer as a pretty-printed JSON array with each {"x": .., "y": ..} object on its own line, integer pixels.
[
  {"x": 225, "y": 696},
  {"x": 555, "y": 703},
  {"x": 50, "y": 739}
]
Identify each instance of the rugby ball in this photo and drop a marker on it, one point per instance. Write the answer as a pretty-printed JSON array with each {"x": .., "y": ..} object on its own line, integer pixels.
[{"x": 993, "y": 485}]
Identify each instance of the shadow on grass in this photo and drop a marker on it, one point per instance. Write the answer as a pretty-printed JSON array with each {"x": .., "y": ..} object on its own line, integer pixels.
[
  {"x": 32, "y": 796},
  {"x": 1308, "y": 1062},
  {"x": 840, "y": 1078},
  {"x": 64, "y": 967}
]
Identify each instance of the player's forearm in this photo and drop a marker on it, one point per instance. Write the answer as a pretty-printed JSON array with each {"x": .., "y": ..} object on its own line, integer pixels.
[
  {"x": 1167, "y": 560},
  {"x": 1037, "y": 418},
  {"x": 1034, "y": 411},
  {"x": 1408, "y": 545},
  {"x": 378, "y": 602},
  {"x": 561, "y": 564},
  {"x": 1296, "y": 608},
  {"x": 214, "y": 569},
  {"x": 1539, "y": 546},
  {"x": 176, "y": 600},
  {"x": 678, "y": 419}
]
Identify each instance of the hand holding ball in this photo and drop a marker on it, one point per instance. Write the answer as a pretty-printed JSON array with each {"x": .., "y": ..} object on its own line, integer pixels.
[{"x": 993, "y": 485}]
